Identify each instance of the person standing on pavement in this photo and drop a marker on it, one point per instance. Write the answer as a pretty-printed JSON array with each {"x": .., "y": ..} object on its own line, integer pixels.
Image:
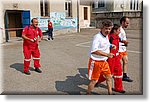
[
  {"x": 32, "y": 35},
  {"x": 124, "y": 21},
  {"x": 50, "y": 30},
  {"x": 100, "y": 52}
]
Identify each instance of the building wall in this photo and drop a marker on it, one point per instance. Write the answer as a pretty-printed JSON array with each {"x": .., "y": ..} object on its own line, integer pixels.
[
  {"x": 59, "y": 6},
  {"x": 18, "y": 5},
  {"x": 115, "y": 9},
  {"x": 136, "y": 19},
  {"x": 62, "y": 24},
  {"x": 121, "y": 5},
  {"x": 108, "y": 7},
  {"x": 34, "y": 7},
  {"x": 1, "y": 22},
  {"x": 117, "y": 6}
]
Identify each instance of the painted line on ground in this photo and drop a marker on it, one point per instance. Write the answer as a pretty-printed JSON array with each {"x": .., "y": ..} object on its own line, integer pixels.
[
  {"x": 83, "y": 45},
  {"x": 133, "y": 51}
]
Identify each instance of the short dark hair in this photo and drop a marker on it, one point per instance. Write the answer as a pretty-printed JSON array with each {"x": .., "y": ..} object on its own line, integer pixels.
[
  {"x": 33, "y": 19},
  {"x": 115, "y": 27},
  {"x": 106, "y": 23},
  {"x": 123, "y": 19}
]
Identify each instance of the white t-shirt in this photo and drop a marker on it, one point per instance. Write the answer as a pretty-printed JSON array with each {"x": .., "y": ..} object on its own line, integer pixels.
[
  {"x": 101, "y": 43},
  {"x": 122, "y": 36}
]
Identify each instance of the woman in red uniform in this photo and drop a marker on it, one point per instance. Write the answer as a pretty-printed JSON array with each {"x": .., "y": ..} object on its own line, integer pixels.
[
  {"x": 31, "y": 35},
  {"x": 114, "y": 63}
]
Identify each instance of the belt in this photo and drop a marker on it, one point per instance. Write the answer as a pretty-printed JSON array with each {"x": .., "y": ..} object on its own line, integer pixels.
[{"x": 98, "y": 60}]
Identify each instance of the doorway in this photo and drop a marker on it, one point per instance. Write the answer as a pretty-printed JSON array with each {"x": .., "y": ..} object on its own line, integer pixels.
[
  {"x": 15, "y": 21},
  {"x": 84, "y": 16}
]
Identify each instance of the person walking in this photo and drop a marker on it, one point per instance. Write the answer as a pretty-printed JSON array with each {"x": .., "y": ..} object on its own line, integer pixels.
[
  {"x": 99, "y": 53},
  {"x": 50, "y": 30},
  {"x": 32, "y": 35},
  {"x": 124, "y": 21},
  {"x": 114, "y": 63}
]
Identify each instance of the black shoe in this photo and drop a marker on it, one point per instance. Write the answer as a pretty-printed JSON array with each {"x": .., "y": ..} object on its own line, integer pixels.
[
  {"x": 48, "y": 38},
  {"x": 38, "y": 70},
  {"x": 52, "y": 38},
  {"x": 113, "y": 94},
  {"x": 96, "y": 85},
  {"x": 27, "y": 73},
  {"x": 122, "y": 91},
  {"x": 127, "y": 79}
]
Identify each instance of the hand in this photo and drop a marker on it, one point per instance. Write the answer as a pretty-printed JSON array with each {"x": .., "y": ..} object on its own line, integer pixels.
[
  {"x": 110, "y": 55},
  {"x": 125, "y": 42},
  {"x": 31, "y": 40},
  {"x": 39, "y": 39},
  {"x": 114, "y": 47}
]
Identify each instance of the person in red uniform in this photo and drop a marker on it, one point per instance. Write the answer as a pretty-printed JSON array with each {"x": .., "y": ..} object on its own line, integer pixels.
[
  {"x": 50, "y": 30},
  {"x": 31, "y": 35},
  {"x": 114, "y": 63}
]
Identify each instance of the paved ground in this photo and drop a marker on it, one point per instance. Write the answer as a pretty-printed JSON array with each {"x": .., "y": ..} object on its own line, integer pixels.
[{"x": 64, "y": 64}]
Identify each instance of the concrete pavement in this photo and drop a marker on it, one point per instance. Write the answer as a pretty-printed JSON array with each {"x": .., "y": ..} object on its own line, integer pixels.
[{"x": 64, "y": 64}]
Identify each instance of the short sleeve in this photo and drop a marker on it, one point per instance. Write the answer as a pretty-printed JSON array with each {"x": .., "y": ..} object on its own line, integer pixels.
[
  {"x": 122, "y": 35},
  {"x": 95, "y": 44},
  {"x": 25, "y": 30}
]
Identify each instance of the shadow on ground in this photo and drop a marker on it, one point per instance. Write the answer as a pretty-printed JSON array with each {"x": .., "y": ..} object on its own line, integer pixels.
[
  {"x": 73, "y": 84},
  {"x": 19, "y": 67}
]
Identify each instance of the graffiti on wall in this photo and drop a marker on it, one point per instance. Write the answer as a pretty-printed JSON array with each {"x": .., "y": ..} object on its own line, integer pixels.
[{"x": 59, "y": 21}]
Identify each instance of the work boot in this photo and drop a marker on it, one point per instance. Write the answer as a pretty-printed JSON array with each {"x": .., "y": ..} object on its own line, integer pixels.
[
  {"x": 38, "y": 70},
  {"x": 27, "y": 73},
  {"x": 127, "y": 79},
  {"x": 96, "y": 85}
]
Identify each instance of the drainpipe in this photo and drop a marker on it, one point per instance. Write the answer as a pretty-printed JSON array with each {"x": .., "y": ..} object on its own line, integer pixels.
[
  {"x": 78, "y": 28},
  {"x": 1, "y": 51},
  {"x": 1, "y": 20}
]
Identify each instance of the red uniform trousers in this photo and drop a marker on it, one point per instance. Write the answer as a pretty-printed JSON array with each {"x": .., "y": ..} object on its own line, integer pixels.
[
  {"x": 116, "y": 70},
  {"x": 29, "y": 50}
]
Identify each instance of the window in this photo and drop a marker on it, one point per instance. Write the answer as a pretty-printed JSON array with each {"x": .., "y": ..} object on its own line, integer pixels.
[
  {"x": 137, "y": 5},
  {"x": 41, "y": 8},
  {"x": 134, "y": 5},
  {"x": 131, "y": 5},
  {"x": 68, "y": 8},
  {"x": 101, "y": 3},
  {"x": 98, "y": 3},
  {"x": 85, "y": 13},
  {"x": 44, "y": 7}
]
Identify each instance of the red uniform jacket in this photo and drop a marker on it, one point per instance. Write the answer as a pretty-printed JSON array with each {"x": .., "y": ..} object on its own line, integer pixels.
[
  {"x": 50, "y": 25},
  {"x": 31, "y": 33},
  {"x": 114, "y": 39}
]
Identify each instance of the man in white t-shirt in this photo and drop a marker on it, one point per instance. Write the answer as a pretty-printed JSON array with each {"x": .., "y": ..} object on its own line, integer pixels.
[
  {"x": 124, "y": 21},
  {"x": 99, "y": 53}
]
